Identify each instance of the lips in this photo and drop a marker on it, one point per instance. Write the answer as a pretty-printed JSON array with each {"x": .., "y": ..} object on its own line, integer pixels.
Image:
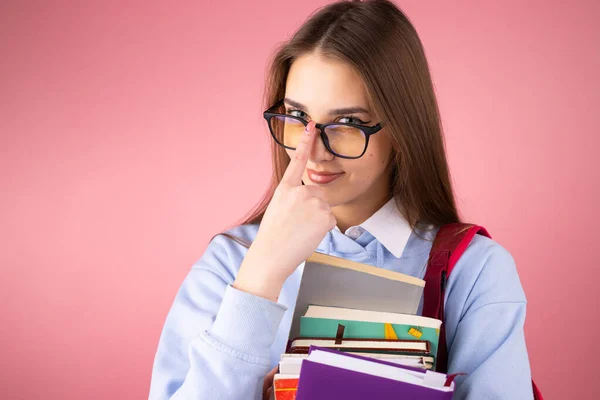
[{"x": 323, "y": 177}]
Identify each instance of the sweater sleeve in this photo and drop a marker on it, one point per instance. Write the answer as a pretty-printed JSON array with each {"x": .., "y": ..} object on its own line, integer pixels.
[
  {"x": 485, "y": 315},
  {"x": 216, "y": 340}
]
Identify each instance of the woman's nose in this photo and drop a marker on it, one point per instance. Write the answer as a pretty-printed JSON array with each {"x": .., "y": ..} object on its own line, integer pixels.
[{"x": 319, "y": 152}]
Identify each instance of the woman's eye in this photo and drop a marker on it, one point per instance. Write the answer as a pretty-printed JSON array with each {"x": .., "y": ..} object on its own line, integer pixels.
[
  {"x": 298, "y": 113},
  {"x": 351, "y": 120}
]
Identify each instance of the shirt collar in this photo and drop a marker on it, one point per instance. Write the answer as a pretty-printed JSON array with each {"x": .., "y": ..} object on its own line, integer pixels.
[{"x": 389, "y": 227}]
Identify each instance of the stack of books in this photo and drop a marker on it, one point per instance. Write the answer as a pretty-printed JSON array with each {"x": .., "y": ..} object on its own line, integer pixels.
[{"x": 355, "y": 334}]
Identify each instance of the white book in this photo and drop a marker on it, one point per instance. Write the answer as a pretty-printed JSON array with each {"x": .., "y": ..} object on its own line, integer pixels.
[{"x": 429, "y": 379}]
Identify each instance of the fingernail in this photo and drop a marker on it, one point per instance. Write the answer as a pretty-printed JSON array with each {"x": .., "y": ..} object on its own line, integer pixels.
[{"x": 309, "y": 127}]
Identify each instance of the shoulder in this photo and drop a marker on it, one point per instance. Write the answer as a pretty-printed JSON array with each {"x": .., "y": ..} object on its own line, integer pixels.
[
  {"x": 235, "y": 238},
  {"x": 226, "y": 250},
  {"x": 485, "y": 274}
]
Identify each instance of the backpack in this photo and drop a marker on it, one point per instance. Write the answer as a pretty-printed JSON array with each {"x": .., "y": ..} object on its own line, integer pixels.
[{"x": 449, "y": 244}]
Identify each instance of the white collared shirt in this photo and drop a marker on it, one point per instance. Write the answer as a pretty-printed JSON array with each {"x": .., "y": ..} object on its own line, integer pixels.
[{"x": 387, "y": 225}]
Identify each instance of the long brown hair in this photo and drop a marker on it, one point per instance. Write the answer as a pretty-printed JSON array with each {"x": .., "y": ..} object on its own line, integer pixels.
[{"x": 379, "y": 41}]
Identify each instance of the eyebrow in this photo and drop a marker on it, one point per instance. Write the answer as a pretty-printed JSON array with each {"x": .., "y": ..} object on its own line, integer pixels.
[{"x": 334, "y": 111}]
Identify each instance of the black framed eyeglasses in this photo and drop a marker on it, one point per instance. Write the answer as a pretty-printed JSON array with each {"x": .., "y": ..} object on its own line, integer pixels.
[{"x": 340, "y": 139}]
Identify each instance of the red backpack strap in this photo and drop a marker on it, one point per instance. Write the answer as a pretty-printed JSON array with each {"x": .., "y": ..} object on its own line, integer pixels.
[
  {"x": 449, "y": 244},
  {"x": 537, "y": 395}
]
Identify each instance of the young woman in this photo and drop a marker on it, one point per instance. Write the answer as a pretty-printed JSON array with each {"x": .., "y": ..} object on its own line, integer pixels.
[{"x": 359, "y": 172}]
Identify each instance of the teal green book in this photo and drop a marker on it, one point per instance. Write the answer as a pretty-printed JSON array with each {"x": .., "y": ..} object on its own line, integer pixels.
[{"x": 316, "y": 323}]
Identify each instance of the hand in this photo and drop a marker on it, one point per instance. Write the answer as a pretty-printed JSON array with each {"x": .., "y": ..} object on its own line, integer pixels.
[
  {"x": 295, "y": 222},
  {"x": 268, "y": 384}
]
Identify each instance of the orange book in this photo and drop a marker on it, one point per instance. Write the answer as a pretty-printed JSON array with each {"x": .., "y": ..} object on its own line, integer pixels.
[{"x": 285, "y": 386}]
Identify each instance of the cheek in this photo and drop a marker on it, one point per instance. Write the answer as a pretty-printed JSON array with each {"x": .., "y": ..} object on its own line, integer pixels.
[
  {"x": 372, "y": 164},
  {"x": 366, "y": 168},
  {"x": 382, "y": 148}
]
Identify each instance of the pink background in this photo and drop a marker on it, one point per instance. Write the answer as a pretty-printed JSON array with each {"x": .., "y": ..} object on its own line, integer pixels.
[{"x": 131, "y": 132}]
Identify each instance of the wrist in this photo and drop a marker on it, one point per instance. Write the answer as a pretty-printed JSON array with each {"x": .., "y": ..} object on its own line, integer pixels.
[
  {"x": 258, "y": 286},
  {"x": 255, "y": 277}
]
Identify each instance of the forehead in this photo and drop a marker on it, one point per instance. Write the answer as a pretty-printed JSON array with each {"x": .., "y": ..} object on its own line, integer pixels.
[{"x": 322, "y": 83}]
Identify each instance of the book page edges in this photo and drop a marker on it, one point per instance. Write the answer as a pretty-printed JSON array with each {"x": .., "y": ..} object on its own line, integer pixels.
[{"x": 326, "y": 259}]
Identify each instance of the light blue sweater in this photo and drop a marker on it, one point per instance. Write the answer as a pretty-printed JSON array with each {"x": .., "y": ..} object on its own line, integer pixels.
[{"x": 219, "y": 342}]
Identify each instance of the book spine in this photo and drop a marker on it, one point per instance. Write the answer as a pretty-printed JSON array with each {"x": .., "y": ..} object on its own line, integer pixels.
[{"x": 285, "y": 389}]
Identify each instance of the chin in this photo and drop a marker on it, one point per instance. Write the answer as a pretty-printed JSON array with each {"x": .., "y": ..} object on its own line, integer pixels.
[
  {"x": 336, "y": 193},
  {"x": 335, "y": 196}
]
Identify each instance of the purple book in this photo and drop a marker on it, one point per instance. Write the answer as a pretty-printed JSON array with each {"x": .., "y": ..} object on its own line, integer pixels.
[{"x": 320, "y": 381}]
